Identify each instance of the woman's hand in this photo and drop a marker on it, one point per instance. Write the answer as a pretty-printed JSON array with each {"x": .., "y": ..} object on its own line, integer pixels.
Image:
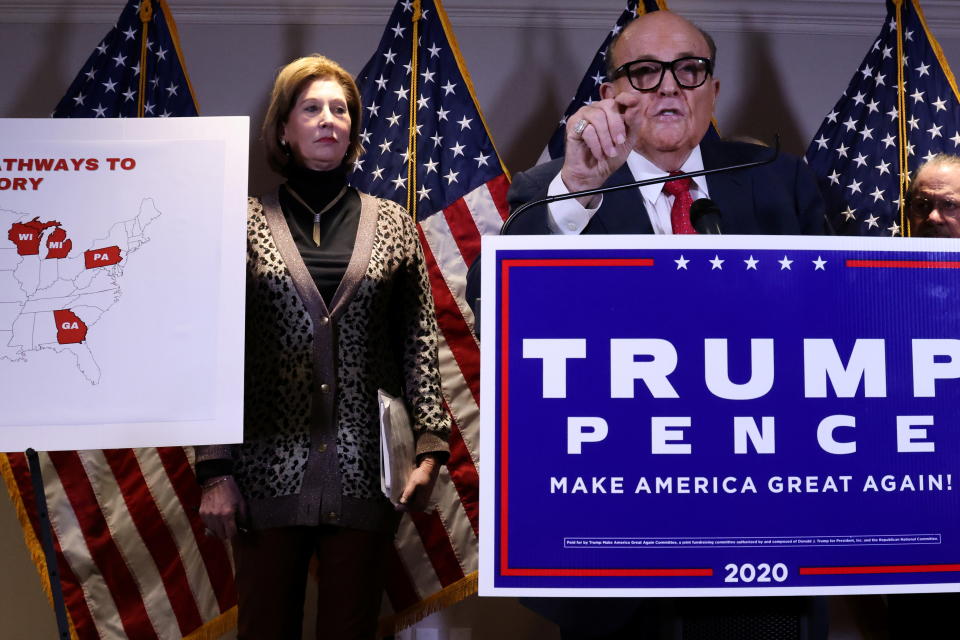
[
  {"x": 416, "y": 495},
  {"x": 222, "y": 507}
]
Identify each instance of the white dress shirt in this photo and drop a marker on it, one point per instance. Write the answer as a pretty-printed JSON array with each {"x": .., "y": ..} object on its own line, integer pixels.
[{"x": 569, "y": 217}]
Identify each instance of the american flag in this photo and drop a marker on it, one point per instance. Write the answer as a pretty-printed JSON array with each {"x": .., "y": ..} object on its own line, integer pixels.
[
  {"x": 109, "y": 83},
  {"x": 452, "y": 181},
  {"x": 900, "y": 108},
  {"x": 589, "y": 89},
  {"x": 133, "y": 558}
]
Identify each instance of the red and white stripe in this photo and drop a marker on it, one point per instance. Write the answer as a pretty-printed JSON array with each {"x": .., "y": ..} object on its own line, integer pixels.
[
  {"x": 131, "y": 548},
  {"x": 440, "y": 548}
]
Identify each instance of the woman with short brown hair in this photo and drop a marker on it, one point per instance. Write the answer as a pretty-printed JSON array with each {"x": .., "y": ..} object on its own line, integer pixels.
[{"x": 338, "y": 306}]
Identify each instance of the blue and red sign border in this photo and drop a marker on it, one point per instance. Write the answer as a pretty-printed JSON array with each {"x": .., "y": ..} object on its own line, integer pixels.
[{"x": 502, "y": 256}]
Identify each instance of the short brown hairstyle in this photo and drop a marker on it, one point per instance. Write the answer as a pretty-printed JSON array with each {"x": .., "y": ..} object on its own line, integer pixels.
[{"x": 290, "y": 82}]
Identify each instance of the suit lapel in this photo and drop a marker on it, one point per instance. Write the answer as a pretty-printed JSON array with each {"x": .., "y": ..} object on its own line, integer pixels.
[
  {"x": 622, "y": 211},
  {"x": 732, "y": 192}
]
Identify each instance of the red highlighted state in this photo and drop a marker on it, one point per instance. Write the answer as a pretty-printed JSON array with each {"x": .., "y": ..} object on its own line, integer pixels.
[
  {"x": 70, "y": 328},
  {"x": 103, "y": 257},
  {"x": 58, "y": 245},
  {"x": 26, "y": 235}
]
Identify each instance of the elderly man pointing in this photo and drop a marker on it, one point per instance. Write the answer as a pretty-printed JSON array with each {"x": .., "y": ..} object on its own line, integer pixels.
[{"x": 653, "y": 120}]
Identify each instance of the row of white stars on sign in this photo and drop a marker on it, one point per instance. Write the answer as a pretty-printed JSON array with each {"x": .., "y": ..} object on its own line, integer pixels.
[{"x": 751, "y": 263}]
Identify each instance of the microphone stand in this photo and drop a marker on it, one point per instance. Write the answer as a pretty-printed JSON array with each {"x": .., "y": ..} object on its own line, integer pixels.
[{"x": 640, "y": 183}]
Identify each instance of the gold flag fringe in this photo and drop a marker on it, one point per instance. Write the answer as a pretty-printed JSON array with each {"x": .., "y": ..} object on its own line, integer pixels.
[
  {"x": 450, "y": 595},
  {"x": 213, "y": 629},
  {"x": 146, "y": 14},
  {"x": 175, "y": 36},
  {"x": 903, "y": 151},
  {"x": 937, "y": 50},
  {"x": 29, "y": 536},
  {"x": 462, "y": 66}
]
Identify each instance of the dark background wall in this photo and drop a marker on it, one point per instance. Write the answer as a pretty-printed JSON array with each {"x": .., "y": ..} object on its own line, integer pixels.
[{"x": 782, "y": 66}]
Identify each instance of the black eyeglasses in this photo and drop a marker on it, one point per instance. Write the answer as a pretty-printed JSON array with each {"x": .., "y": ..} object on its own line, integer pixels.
[
  {"x": 924, "y": 206},
  {"x": 646, "y": 75}
]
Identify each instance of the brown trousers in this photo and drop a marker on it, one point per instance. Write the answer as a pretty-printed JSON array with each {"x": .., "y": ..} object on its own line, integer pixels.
[{"x": 272, "y": 566}]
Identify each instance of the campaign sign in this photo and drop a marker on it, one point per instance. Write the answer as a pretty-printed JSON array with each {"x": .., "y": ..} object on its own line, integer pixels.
[
  {"x": 122, "y": 253},
  {"x": 716, "y": 415}
]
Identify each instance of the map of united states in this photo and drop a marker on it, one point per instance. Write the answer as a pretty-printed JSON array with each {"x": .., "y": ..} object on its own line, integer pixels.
[{"x": 52, "y": 293}]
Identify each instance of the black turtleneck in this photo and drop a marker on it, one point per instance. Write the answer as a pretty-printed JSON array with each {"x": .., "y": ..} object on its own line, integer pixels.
[{"x": 338, "y": 226}]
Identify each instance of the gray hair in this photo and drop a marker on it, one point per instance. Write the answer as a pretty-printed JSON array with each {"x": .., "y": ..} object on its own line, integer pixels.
[{"x": 935, "y": 161}]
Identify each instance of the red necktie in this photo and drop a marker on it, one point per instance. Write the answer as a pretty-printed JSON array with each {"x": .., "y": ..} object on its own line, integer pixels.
[{"x": 680, "y": 212}]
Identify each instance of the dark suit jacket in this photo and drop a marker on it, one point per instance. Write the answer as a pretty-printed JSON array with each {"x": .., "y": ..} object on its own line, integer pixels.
[{"x": 780, "y": 198}]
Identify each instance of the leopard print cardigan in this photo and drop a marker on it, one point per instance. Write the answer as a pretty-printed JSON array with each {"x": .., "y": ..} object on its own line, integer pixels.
[{"x": 311, "y": 424}]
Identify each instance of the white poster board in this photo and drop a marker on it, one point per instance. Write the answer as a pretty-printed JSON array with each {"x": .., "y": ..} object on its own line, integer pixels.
[{"x": 122, "y": 249}]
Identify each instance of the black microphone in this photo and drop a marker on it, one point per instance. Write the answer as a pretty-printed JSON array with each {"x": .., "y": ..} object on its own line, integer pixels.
[
  {"x": 705, "y": 217},
  {"x": 639, "y": 183}
]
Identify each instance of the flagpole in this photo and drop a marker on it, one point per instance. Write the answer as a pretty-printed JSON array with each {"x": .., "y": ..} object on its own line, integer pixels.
[
  {"x": 146, "y": 13},
  {"x": 902, "y": 124},
  {"x": 412, "y": 126},
  {"x": 458, "y": 58},
  {"x": 46, "y": 542},
  {"x": 175, "y": 36}
]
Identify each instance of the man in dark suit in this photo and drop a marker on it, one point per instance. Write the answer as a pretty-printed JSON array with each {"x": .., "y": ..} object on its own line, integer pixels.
[
  {"x": 778, "y": 199},
  {"x": 652, "y": 120},
  {"x": 933, "y": 208}
]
